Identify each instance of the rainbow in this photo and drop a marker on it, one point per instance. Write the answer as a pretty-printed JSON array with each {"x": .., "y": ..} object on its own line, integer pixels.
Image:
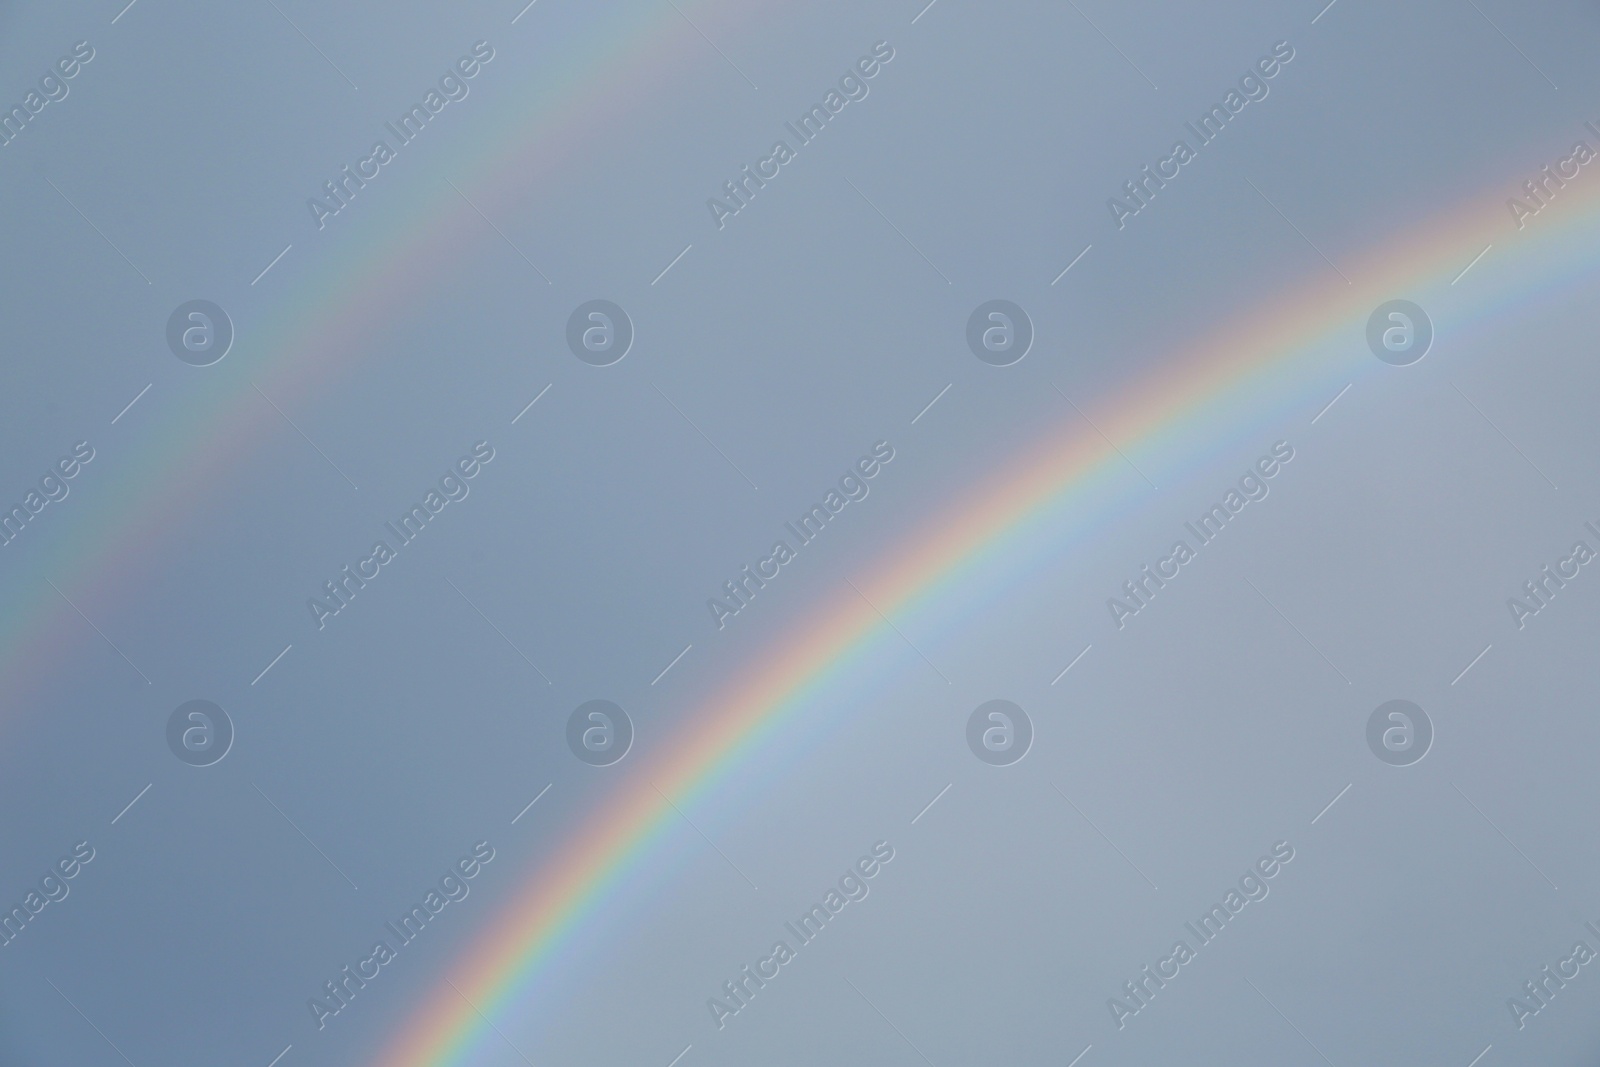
[
  {"x": 358, "y": 285},
  {"x": 1292, "y": 350},
  {"x": 1288, "y": 354}
]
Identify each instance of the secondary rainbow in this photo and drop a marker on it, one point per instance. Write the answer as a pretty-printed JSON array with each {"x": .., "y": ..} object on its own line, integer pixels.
[{"x": 103, "y": 551}]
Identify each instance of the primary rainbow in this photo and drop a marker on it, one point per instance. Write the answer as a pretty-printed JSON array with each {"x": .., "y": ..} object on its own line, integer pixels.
[
  {"x": 1290, "y": 353},
  {"x": 1293, "y": 349}
]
